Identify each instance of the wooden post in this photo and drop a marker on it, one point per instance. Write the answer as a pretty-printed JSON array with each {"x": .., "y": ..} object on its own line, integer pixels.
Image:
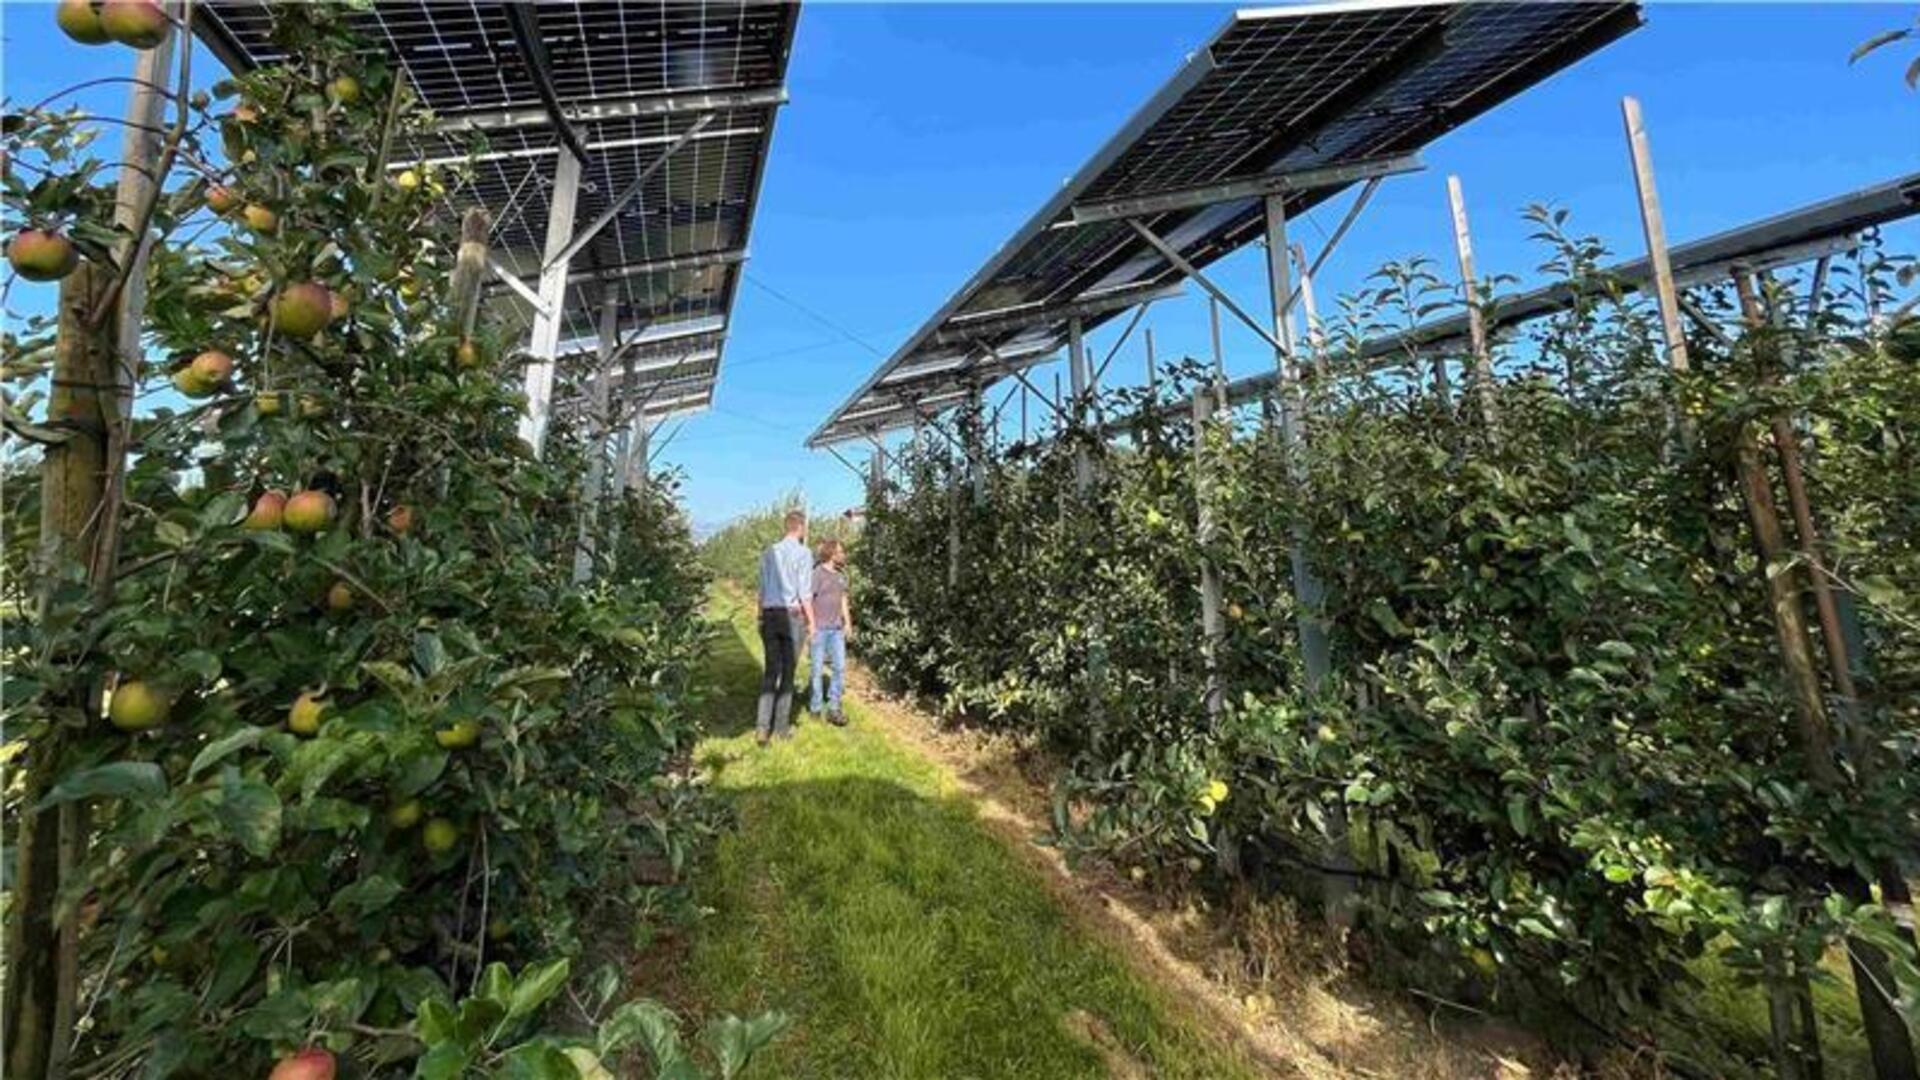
[
  {"x": 84, "y": 402},
  {"x": 1211, "y": 628},
  {"x": 1655, "y": 228},
  {"x": 1476, "y": 319},
  {"x": 1888, "y": 1038}
]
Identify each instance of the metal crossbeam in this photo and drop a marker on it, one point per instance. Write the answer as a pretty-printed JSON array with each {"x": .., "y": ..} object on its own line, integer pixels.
[
  {"x": 585, "y": 236},
  {"x": 523, "y": 20},
  {"x": 620, "y": 109},
  {"x": 519, "y": 287},
  {"x": 1006, "y": 320},
  {"x": 1181, "y": 264},
  {"x": 1194, "y": 198}
]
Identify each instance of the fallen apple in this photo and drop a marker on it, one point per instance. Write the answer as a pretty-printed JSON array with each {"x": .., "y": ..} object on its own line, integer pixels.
[
  {"x": 407, "y": 181},
  {"x": 400, "y": 519},
  {"x": 340, "y": 598},
  {"x": 344, "y": 90},
  {"x": 267, "y": 403}
]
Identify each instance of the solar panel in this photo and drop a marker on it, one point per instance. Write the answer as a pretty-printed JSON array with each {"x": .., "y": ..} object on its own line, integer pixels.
[
  {"x": 634, "y": 79},
  {"x": 1277, "y": 91}
]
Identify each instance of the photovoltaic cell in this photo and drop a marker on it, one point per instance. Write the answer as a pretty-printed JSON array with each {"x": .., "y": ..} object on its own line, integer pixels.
[
  {"x": 1276, "y": 90},
  {"x": 465, "y": 63}
]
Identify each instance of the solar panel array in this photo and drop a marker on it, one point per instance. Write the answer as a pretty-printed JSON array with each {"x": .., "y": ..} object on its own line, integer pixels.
[
  {"x": 1276, "y": 90},
  {"x": 634, "y": 77}
]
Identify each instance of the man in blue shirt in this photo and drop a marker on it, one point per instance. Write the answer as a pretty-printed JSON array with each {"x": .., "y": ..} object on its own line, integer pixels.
[{"x": 786, "y": 618}]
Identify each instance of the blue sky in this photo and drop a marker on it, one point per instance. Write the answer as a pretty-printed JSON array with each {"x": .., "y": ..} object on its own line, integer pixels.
[{"x": 920, "y": 136}]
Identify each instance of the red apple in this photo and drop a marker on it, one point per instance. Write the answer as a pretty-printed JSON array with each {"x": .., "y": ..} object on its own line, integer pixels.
[
  {"x": 222, "y": 200},
  {"x": 303, "y": 310},
  {"x": 212, "y": 367},
  {"x": 309, "y": 512},
  {"x": 311, "y": 1063},
  {"x": 141, "y": 24},
  {"x": 269, "y": 512},
  {"x": 42, "y": 255},
  {"x": 400, "y": 519}
]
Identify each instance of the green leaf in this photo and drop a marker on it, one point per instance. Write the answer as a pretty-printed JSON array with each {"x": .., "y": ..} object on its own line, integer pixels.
[
  {"x": 314, "y": 763},
  {"x": 367, "y": 895},
  {"x": 116, "y": 780},
  {"x": 250, "y": 811},
  {"x": 434, "y": 1021},
  {"x": 215, "y": 751},
  {"x": 232, "y": 970},
  {"x": 496, "y": 985},
  {"x": 446, "y": 1061},
  {"x": 536, "y": 984},
  {"x": 429, "y": 654},
  {"x": 734, "y": 1041},
  {"x": 648, "y": 1023}
]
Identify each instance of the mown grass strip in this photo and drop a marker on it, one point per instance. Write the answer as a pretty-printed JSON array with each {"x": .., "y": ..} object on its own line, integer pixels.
[{"x": 860, "y": 893}]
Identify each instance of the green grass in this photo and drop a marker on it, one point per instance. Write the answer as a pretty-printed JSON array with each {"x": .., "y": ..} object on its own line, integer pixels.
[{"x": 860, "y": 894}]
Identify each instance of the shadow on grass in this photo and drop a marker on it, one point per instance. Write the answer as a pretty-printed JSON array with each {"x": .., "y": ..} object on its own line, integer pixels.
[
  {"x": 732, "y": 679},
  {"x": 905, "y": 940}
]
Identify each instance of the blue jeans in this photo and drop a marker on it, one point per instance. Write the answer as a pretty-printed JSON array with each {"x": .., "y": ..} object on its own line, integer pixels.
[{"x": 825, "y": 640}]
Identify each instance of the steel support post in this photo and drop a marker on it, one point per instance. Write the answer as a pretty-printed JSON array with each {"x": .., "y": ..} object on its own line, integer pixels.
[
  {"x": 552, "y": 294},
  {"x": 1212, "y": 630},
  {"x": 1308, "y": 593},
  {"x": 1082, "y": 390},
  {"x": 1316, "y": 335},
  {"x": 976, "y": 450},
  {"x": 601, "y": 425},
  {"x": 1219, "y": 353}
]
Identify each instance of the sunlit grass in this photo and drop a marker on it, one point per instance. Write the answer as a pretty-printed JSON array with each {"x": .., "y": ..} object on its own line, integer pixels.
[{"x": 859, "y": 893}]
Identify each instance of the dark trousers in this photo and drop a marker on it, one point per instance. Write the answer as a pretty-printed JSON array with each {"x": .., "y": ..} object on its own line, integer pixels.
[{"x": 781, "y": 633}]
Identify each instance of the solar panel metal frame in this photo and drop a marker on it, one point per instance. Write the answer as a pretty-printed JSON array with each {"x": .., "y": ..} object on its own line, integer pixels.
[
  {"x": 1363, "y": 80},
  {"x": 622, "y": 71}
]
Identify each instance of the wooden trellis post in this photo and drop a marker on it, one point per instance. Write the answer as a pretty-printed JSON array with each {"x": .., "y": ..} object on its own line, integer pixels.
[
  {"x": 1888, "y": 1039},
  {"x": 1476, "y": 319}
]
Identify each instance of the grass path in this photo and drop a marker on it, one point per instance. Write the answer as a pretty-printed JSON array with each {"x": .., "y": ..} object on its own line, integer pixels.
[{"x": 861, "y": 893}]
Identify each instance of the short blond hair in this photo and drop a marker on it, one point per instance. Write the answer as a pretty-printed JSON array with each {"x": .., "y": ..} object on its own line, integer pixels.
[{"x": 796, "y": 519}]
